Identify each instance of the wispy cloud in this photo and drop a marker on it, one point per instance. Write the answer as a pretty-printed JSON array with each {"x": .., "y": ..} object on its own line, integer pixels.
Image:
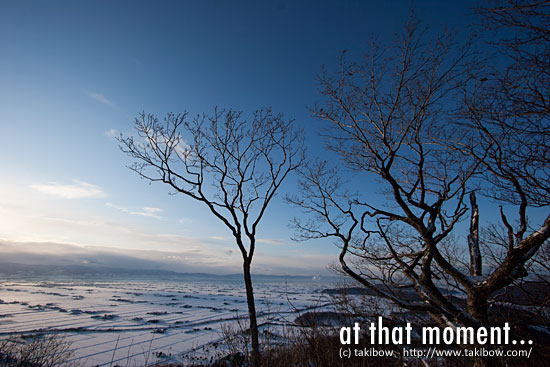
[
  {"x": 185, "y": 220},
  {"x": 265, "y": 241},
  {"x": 271, "y": 241},
  {"x": 100, "y": 98},
  {"x": 218, "y": 238},
  {"x": 149, "y": 209},
  {"x": 111, "y": 133},
  {"x": 77, "y": 190},
  {"x": 145, "y": 211}
]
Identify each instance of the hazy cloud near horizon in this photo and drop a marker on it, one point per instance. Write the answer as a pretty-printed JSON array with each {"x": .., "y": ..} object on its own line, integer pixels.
[{"x": 52, "y": 253}]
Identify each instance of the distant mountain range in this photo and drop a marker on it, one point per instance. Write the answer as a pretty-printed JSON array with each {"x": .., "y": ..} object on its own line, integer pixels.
[{"x": 9, "y": 269}]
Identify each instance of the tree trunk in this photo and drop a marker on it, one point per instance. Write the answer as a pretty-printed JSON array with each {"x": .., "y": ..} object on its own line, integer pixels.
[
  {"x": 473, "y": 239},
  {"x": 478, "y": 305},
  {"x": 255, "y": 357},
  {"x": 478, "y": 308}
]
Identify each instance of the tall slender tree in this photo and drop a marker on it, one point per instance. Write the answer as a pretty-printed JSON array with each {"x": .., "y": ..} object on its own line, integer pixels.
[{"x": 231, "y": 165}]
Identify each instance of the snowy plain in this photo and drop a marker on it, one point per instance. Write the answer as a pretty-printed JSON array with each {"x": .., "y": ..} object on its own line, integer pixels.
[{"x": 132, "y": 321}]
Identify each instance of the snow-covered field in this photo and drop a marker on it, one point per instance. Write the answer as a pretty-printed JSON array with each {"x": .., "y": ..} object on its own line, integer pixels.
[{"x": 109, "y": 321}]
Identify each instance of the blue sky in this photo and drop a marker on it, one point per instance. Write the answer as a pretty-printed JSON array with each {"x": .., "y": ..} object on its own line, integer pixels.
[{"x": 75, "y": 73}]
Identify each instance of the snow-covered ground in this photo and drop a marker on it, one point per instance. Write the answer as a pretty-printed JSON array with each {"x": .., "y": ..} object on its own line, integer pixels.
[{"x": 109, "y": 321}]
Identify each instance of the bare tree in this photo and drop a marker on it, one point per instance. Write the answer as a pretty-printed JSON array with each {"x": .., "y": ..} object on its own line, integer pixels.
[
  {"x": 393, "y": 120},
  {"x": 507, "y": 113},
  {"x": 508, "y": 106},
  {"x": 231, "y": 165}
]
